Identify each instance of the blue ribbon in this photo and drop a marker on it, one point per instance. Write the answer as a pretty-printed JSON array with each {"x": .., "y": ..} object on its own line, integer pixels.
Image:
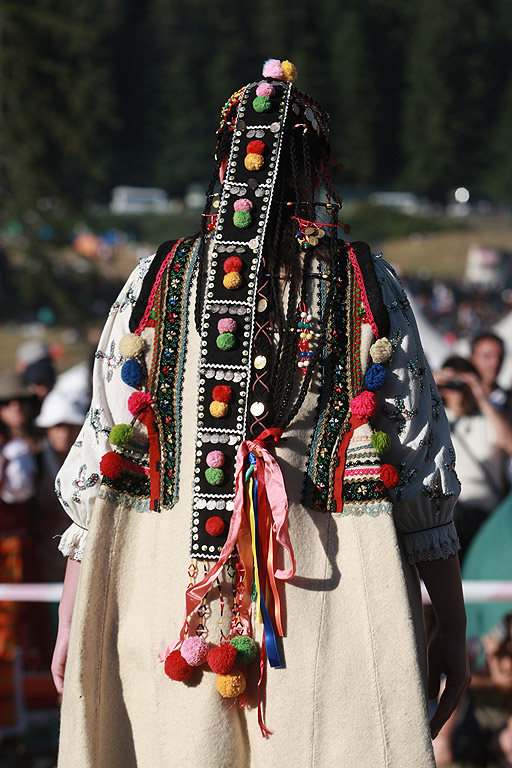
[{"x": 270, "y": 637}]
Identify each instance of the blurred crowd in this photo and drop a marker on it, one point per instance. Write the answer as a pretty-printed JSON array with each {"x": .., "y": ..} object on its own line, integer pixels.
[
  {"x": 41, "y": 415},
  {"x": 480, "y": 416}
]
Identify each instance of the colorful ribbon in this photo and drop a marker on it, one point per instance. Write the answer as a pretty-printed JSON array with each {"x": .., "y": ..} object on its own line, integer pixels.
[{"x": 272, "y": 505}]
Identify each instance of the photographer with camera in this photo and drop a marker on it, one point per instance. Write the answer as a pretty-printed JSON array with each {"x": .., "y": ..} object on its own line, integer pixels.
[{"x": 482, "y": 439}]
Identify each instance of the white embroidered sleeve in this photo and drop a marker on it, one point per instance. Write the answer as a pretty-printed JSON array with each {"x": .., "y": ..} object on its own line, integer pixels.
[
  {"x": 78, "y": 480},
  {"x": 412, "y": 414}
]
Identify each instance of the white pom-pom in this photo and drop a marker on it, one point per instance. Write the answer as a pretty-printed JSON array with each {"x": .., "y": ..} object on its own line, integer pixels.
[
  {"x": 131, "y": 345},
  {"x": 381, "y": 350}
]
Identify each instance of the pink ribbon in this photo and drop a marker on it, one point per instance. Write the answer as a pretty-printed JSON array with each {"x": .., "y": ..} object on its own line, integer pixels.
[{"x": 278, "y": 503}]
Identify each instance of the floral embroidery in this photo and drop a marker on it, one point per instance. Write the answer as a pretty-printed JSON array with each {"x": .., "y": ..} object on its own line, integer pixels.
[
  {"x": 427, "y": 441},
  {"x": 450, "y": 465},
  {"x": 435, "y": 493},
  {"x": 417, "y": 370},
  {"x": 113, "y": 361},
  {"x": 405, "y": 480},
  {"x": 400, "y": 415},
  {"x": 80, "y": 483},
  {"x": 58, "y": 493},
  {"x": 94, "y": 420},
  {"x": 397, "y": 335},
  {"x": 437, "y": 404}
]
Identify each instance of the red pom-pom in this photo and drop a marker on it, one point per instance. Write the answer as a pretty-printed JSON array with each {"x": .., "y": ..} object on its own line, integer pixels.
[
  {"x": 215, "y": 525},
  {"x": 111, "y": 465},
  {"x": 221, "y": 658},
  {"x": 255, "y": 147},
  {"x": 222, "y": 393},
  {"x": 138, "y": 401},
  {"x": 389, "y": 476},
  {"x": 233, "y": 264},
  {"x": 176, "y": 667}
]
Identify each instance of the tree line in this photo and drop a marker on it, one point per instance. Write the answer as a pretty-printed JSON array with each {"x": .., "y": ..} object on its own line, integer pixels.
[{"x": 114, "y": 92}]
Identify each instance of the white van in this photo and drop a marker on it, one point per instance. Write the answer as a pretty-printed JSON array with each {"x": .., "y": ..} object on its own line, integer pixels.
[{"x": 139, "y": 200}]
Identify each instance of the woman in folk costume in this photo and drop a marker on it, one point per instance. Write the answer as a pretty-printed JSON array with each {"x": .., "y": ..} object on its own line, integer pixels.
[{"x": 265, "y": 461}]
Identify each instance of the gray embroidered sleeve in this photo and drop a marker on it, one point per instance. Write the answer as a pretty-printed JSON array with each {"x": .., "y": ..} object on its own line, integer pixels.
[
  {"x": 412, "y": 414},
  {"x": 79, "y": 478}
]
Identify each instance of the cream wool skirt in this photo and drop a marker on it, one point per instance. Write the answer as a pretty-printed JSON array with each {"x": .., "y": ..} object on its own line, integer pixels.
[{"x": 351, "y": 692}]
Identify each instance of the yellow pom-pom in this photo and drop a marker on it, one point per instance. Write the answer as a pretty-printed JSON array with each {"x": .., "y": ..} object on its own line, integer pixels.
[
  {"x": 232, "y": 281},
  {"x": 218, "y": 410},
  {"x": 381, "y": 350},
  {"x": 254, "y": 162},
  {"x": 289, "y": 71},
  {"x": 231, "y": 685},
  {"x": 131, "y": 345}
]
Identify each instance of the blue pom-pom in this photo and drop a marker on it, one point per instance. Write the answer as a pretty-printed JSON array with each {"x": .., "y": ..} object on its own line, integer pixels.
[
  {"x": 375, "y": 377},
  {"x": 131, "y": 373}
]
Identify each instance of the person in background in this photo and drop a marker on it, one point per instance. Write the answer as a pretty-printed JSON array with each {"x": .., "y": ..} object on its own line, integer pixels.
[
  {"x": 62, "y": 414},
  {"x": 487, "y": 355},
  {"x": 18, "y": 483},
  {"x": 482, "y": 439},
  {"x": 36, "y": 368},
  {"x": 480, "y": 731}
]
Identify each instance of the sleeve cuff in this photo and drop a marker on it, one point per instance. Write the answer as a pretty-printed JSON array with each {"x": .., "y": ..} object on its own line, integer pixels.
[
  {"x": 72, "y": 543},
  {"x": 437, "y": 543}
]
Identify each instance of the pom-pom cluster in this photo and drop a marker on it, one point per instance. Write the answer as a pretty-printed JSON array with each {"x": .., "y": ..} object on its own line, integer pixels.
[
  {"x": 233, "y": 266},
  {"x": 131, "y": 373},
  {"x": 111, "y": 465},
  {"x": 242, "y": 216},
  {"x": 221, "y": 659},
  {"x": 254, "y": 159},
  {"x": 364, "y": 405},
  {"x": 131, "y": 345},
  {"x": 138, "y": 402},
  {"x": 280, "y": 70},
  {"x": 222, "y": 395}
]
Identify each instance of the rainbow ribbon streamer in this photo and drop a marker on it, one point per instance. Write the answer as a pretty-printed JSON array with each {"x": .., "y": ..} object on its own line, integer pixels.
[{"x": 261, "y": 581}]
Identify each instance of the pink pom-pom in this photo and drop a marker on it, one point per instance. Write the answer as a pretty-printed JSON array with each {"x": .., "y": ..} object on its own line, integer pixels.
[
  {"x": 364, "y": 405},
  {"x": 138, "y": 401},
  {"x": 243, "y": 205},
  {"x": 272, "y": 68},
  {"x": 194, "y": 650},
  {"x": 265, "y": 89},
  {"x": 215, "y": 459},
  {"x": 226, "y": 325}
]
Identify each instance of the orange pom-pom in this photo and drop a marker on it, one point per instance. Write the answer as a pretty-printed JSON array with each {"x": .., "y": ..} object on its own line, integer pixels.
[
  {"x": 232, "y": 281},
  {"x": 231, "y": 685},
  {"x": 219, "y": 410},
  {"x": 254, "y": 162}
]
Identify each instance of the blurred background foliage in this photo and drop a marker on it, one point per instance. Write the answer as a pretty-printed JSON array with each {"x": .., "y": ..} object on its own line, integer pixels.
[{"x": 127, "y": 92}]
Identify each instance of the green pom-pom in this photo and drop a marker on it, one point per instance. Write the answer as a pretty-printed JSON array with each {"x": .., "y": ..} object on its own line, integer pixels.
[
  {"x": 381, "y": 442},
  {"x": 246, "y": 649},
  {"x": 242, "y": 219},
  {"x": 121, "y": 434},
  {"x": 261, "y": 104},
  {"x": 226, "y": 341},
  {"x": 214, "y": 476}
]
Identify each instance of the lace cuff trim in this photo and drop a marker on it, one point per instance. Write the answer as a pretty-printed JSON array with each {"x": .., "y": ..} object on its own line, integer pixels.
[
  {"x": 431, "y": 544},
  {"x": 72, "y": 543}
]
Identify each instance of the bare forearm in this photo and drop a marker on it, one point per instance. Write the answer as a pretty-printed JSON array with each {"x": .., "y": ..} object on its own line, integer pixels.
[
  {"x": 443, "y": 582},
  {"x": 67, "y": 602}
]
